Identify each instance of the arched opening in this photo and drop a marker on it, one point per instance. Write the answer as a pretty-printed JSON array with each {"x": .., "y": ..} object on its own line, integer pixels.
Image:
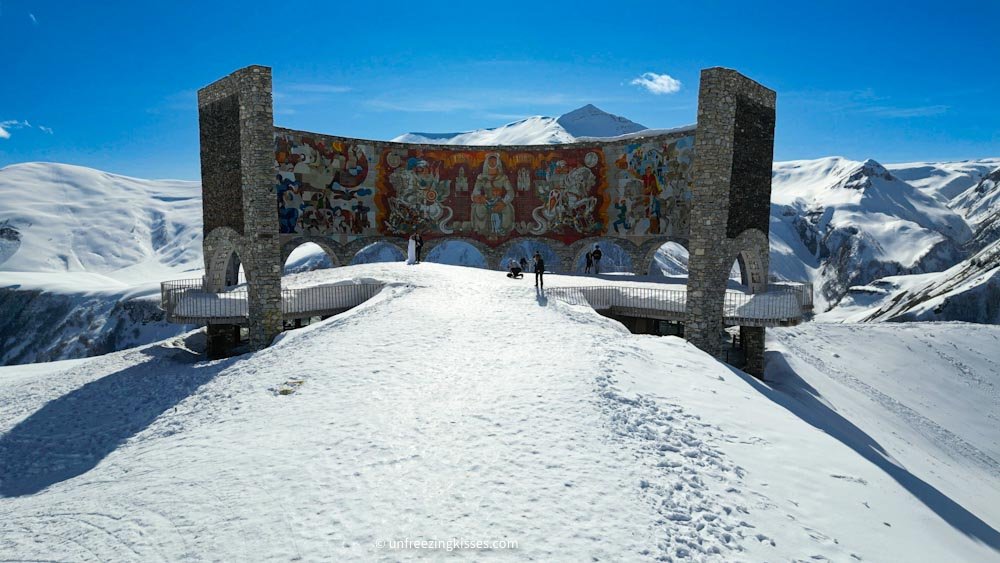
[
  {"x": 737, "y": 276},
  {"x": 378, "y": 252},
  {"x": 670, "y": 260},
  {"x": 307, "y": 257},
  {"x": 614, "y": 258},
  {"x": 456, "y": 253},
  {"x": 225, "y": 270},
  {"x": 526, "y": 249}
]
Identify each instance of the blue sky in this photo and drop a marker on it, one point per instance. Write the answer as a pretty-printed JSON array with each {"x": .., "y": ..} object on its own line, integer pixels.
[{"x": 112, "y": 85}]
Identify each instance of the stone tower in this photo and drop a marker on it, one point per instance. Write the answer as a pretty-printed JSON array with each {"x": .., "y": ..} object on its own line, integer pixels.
[
  {"x": 238, "y": 190},
  {"x": 730, "y": 213}
]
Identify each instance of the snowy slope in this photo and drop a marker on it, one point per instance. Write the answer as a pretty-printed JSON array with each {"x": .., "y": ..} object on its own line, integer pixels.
[
  {"x": 505, "y": 415},
  {"x": 968, "y": 291},
  {"x": 944, "y": 180},
  {"x": 587, "y": 121},
  {"x": 75, "y": 219}
]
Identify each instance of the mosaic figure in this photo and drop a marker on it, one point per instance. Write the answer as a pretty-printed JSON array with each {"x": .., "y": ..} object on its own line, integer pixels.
[{"x": 492, "y": 212}]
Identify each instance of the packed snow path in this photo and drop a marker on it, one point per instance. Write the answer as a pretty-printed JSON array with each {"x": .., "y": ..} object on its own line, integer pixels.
[{"x": 455, "y": 404}]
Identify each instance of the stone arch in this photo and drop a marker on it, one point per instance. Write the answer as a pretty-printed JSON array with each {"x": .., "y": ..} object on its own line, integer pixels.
[
  {"x": 288, "y": 246},
  {"x": 648, "y": 251},
  {"x": 751, "y": 250},
  {"x": 557, "y": 256},
  {"x": 433, "y": 244},
  {"x": 579, "y": 250},
  {"x": 223, "y": 248}
]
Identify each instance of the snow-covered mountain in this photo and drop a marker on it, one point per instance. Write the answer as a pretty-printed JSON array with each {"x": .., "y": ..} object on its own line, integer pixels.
[
  {"x": 587, "y": 121},
  {"x": 841, "y": 223}
]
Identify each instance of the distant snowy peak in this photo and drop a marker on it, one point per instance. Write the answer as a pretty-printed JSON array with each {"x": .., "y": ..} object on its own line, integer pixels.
[
  {"x": 537, "y": 130},
  {"x": 588, "y": 121},
  {"x": 862, "y": 176}
]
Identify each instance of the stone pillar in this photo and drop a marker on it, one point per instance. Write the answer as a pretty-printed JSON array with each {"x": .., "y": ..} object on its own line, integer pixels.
[
  {"x": 221, "y": 339},
  {"x": 752, "y": 341},
  {"x": 734, "y": 145},
  {"x": 238, "y": 185}
]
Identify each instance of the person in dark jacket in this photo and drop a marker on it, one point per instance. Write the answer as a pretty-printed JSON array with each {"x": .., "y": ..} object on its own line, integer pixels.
[
  {"x": 596, "y": 254},
  {"x": 515, "y": 270},
  {"x": 590, "y": 263},
  {"x": 539, "y": 270},
  {"x": 420, "y": 246}
]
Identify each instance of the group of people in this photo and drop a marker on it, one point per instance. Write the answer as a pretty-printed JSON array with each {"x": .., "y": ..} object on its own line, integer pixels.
[{"x": 517, "y": 267}]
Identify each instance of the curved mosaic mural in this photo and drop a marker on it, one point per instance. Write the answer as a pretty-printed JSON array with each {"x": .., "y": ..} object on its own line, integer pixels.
[{"x": 347, "y": 188}]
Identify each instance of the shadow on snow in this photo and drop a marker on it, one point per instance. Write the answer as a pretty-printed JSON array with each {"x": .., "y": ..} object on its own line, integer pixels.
[
  {"x": 71, "y": 434},
  {"x": 795, "y": 395}
]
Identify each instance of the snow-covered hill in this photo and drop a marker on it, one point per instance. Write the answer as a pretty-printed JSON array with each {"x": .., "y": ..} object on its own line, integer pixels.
[
  {"x": 565, "y": 434},
  {"x": 82, "y": 255},
  {"x": 587, "y": 121}
]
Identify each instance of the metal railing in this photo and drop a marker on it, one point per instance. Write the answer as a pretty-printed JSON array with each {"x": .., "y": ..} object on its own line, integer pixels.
[
  {"x": 187, "y": 302},
  {"x": 781, "y": 306},
  {"x": 806, "y": 288}
]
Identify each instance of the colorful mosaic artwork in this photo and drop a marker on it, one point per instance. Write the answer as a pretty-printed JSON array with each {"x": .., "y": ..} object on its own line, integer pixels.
[{"x": 336, "y": 188}]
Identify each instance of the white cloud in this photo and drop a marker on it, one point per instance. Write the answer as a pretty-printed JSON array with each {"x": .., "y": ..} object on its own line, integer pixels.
[
  {"x": 9, "y": 125},
  {"x": 657, "y": 83},
  {"x": 34, "y": 20}
]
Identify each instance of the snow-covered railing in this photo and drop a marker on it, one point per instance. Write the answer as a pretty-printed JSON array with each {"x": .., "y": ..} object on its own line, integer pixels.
[
  {"x": 185, "y": 301},
  {"x": 781, "y": 306}
]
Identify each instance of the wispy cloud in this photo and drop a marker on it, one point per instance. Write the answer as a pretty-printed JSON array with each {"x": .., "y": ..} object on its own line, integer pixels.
[
  {"x": 33, "y": 19},
  {"x": 318, "y": 88},
  {"x": 864, "y": 101},
  {"x": 914, "y": 111},
  {"x": 13, "y": 124},
  {"x": 657, "y": 83}
]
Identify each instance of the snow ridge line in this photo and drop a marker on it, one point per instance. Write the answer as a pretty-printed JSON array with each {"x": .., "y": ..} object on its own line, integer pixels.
[{"x": 943, "y": 437}]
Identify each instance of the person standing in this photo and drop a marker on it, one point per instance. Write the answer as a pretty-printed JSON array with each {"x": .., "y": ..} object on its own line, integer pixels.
[
  {"x": 420, "y": 246},
  {"x": 590, "y": 263},
  {"x": 539, "y": 270},
  {"x": 524, "y": 264},
  {"x": 596, "y": 254},
  {"x": 411, "y": 250}
]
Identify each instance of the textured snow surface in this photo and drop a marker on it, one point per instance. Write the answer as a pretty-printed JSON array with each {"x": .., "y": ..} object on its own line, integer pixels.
[{"x": 461, "y": 404}]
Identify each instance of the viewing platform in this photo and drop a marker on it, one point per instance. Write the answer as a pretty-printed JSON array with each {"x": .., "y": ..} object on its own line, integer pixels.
[{"x": 187, "y": 302}]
